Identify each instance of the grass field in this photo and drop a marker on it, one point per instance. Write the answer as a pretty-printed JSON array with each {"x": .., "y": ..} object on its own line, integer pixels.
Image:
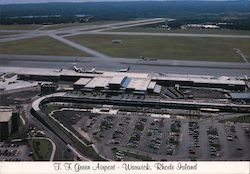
[
  {"x": 6, "y": 33},
  {"x": 41, "y": 149},
  {"x": 180, "y": 48},
  {"x": 39, "y": 46},
  {"x": 198, "y": 31},
  {"x": 21, "y": 27}
]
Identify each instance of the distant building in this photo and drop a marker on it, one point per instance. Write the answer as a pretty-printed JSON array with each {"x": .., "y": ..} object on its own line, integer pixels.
[{"x": 9, "y": 122}]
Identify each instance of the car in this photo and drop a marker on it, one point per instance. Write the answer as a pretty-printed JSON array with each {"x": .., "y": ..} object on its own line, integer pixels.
[
  {"x": 170, "y": 152},
  {"x": 132, "y": 145},
  {"x": 239, "y": 148},
  {"x": 197, "y": 145},
  {"x": 114, "y": 141},
  {"x": 213, "y": 153},
  {"x": 191, "y": 151}
]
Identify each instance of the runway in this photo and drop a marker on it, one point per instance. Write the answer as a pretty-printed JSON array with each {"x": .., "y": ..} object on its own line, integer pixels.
[{"x": 137, "y": 65}]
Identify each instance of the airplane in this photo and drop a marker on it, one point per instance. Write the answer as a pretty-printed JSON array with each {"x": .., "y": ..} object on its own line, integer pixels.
[
  {"x": 91, "y": 71},
  {"x": 79, "y": 70},
  {"x": 125, "y": 69},
  {"x": 59, "y": 70}
]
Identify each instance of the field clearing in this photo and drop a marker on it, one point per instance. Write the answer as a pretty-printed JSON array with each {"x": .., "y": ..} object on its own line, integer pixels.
[
  {"x": 21, "y": 27},
  {"x": 39, "y": 46},
  {"x": 163, "y": 47},
  {"x": 193, "y": 31}
]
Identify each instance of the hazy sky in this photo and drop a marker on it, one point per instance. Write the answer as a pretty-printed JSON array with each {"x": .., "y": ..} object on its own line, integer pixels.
[{"x": 42, "y": 1}]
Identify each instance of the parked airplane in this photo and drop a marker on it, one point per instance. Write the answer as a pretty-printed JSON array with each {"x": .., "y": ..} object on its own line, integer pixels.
[
  {"x": 80, "y": 70},
  {"x": 125, "y": 69},
  {"x": 91, "y": 71}
]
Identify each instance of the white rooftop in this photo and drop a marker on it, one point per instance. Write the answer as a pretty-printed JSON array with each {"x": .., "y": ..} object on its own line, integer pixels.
[
  {"x": 138, "y": 84},
  {"x": 128, "y": 74},
  {"x": 82, "y": 81},
  {"x": 5, "y": 116},
  {"x": 100, "y": 82},
  {"x": 222, "y": 80},
  {"x": 151, "y": 85},
  {"x": 117, "y": 80}
]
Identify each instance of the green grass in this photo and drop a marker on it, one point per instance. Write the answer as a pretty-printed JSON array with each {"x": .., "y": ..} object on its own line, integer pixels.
[
  {"x": 41, "y": 149},
  {"x": 198, "y": 31},
  {"x": 6, "y": 33},
  {"x": 163, "y": 47},
  {"x": 39, "y": 46},
  {"x": 49, "y": 108},
  {"x": 20, "y": 27}
]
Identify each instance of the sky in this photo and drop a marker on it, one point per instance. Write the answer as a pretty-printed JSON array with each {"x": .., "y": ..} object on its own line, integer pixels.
[{"x": 44, "y": 1}]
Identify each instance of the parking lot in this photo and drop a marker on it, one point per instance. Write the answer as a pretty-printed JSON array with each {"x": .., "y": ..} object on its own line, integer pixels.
[
  {"x": 14, "y": 152},
  {"x": 167, "y": 138}
]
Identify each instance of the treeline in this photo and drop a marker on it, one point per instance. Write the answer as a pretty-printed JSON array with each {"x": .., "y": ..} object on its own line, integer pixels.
[{"x": 181, "y": 10}]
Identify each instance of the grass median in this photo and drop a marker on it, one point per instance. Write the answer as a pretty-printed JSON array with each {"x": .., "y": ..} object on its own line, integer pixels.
[{"x": 41, "y": 149}]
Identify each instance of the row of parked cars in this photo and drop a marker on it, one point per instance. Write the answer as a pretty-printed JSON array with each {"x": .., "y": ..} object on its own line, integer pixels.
[
  {"x": 174, "y": 134},
  {"x": 231, "y": 134},
  {"x": 9, "y": 152},
  {"x": 7, "y": 145},
  {"x": 193, "y": 131},
  {"x": 106, "y": 123},
  {"x": 230, "y": 130},
  {"x": 12, "y": 159},
  {"x": 213, "y": 140},
  {"x": 119, "y": 155},
  {"x": 119, "y": 132},
  {"x": 135, "y": 136},
  {"x": 155, "y": 135}
]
